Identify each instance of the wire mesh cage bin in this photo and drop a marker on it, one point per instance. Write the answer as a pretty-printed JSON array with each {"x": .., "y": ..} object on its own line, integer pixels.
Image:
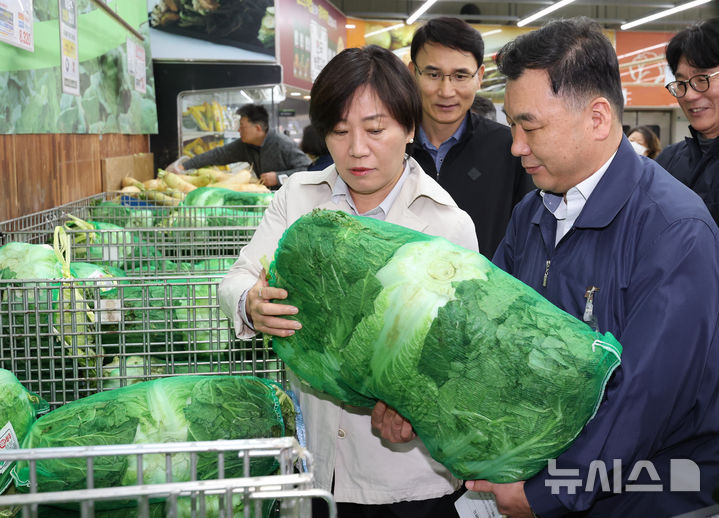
[
  {"x": 65, "y": 339},
  {"x": 248, "y": 478},
  {"x": 143, "y": 238}
]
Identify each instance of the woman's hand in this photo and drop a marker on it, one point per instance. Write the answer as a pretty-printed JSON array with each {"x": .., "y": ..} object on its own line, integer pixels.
[
  {"x": 266, "y": 316},
  {"x": 390, "y": 425}
]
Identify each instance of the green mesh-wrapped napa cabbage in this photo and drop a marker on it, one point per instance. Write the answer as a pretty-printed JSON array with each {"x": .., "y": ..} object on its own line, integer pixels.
[
  {"x": 493, "y": 377},
  {"x": 175, "y": 409}
]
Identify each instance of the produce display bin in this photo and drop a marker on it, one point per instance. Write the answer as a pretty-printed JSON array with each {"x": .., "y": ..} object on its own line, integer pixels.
[
  {"x": 65, "y": 339},
  {"x": 153, "y": 238},
  {"x": 292, "y": 488}
]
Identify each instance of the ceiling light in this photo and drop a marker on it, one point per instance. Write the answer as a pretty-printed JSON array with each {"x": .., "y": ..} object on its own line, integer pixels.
[
  {"x": 662, "y": 14},
  {"x": 419, "y": 12},
  {"x": 350, "y": 26},
  {"x": 307, "y": 97},
  {"x": 384, "y": 29},
  {"x": 295, "y": 94},
  {"x": 543, "y": 12},
  {"x": 489, "y": 33}
]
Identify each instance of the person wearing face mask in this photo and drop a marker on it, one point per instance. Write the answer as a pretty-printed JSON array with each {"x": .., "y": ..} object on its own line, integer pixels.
[
  {"x": 365, "y": 105},
  {"x": 644, "y": 141},
  {"x": 693, "y": 57}
]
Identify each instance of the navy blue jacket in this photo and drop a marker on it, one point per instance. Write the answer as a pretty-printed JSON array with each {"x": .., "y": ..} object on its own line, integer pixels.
[{"x": 650, "y": 246}]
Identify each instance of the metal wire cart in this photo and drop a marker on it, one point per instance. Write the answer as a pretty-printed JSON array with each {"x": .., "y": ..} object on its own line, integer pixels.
[{"x": 68, "y": 338}]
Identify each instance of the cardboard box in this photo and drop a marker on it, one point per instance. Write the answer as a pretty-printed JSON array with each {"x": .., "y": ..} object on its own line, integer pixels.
[{"x": 140, "y": 166}]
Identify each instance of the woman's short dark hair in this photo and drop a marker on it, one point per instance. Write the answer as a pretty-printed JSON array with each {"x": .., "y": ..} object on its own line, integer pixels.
[
  {"x": 312, "y": 143},
  {"x": 650, "y": 138},
  {"x": 256, "y": 114},
  {"x": 699, "y": 44},
  {"x": 354, "y": 68},
  {"x": 449, "y": 32},
  {"x": 578, "y": 58}
]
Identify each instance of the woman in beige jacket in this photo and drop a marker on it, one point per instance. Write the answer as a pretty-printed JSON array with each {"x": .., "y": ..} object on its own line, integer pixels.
[{"x": 366, "y": 106}]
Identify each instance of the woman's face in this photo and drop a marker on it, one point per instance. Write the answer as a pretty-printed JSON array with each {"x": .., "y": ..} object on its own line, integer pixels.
[
  {"x": 638, "y": 138},
  {"x": 368, "y": 146}
]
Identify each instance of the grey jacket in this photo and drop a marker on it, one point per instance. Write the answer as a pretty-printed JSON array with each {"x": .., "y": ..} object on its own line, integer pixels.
[{"x": 277, "y": 153}]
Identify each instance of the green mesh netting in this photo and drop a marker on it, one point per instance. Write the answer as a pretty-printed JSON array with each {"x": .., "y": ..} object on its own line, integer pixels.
[
  {"x": 176, "y": 409},
  {"x": 18, "y": 408},
  {"x": 493, "y": 377}
]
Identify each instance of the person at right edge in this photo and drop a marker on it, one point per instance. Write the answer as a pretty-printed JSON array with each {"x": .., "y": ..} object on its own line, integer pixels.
[
  {"x": 469, "y": 155},
  {"x": 613, "y": 228},
  {"x": 693, "y": 57}
]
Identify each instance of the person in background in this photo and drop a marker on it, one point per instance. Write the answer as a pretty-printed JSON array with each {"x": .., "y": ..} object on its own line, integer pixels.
[
  {"x": 614, "y": 240},
  {"x": 466, "y": 153},
  {"x": 272, "y": 155},
  {"x": 314, "y": 146},
  {"x": 693, "y": 57},
  {"x": 644, "y": 141},
  {"x": 366, "y": 106},
  {"x": 484, "y": 107}
]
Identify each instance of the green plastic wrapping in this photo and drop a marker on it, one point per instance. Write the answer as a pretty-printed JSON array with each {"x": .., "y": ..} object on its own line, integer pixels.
[
  {"x": 174, "y": 409},
  {"x": 494, "y": 378}
]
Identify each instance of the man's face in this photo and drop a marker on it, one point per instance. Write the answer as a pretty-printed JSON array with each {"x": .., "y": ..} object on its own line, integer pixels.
[
  {"x": 251, "y": 133},
  {"x": 550, "y": 136},
  {"x": 445, "y": 101},
  {"x": 701, "y": 108}
]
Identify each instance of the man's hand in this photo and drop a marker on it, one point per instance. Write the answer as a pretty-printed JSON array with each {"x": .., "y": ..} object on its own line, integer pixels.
[
  {"x": 391, "y": 426},
  {"x": 176, "y": 166},
  {"x": 269, "y": 179},
  {"x": 511, "y": 500},
  {"x": 266, "y": 316}
]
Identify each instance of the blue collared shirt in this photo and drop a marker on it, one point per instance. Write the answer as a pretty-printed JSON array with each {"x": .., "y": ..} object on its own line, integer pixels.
[{"x": 438, "y": 154}]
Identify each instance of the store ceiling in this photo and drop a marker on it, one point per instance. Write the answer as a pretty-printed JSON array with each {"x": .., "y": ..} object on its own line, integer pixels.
[{"x": 611, "y": 14}]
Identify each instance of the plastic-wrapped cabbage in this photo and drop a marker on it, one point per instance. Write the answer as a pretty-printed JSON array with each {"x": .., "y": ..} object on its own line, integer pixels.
[
  {"x": 217, "y": 207},
  {"x": 493, "y": 377},
  {"x": 176, "y": 409},
  {"x": 18, "y": 408}
]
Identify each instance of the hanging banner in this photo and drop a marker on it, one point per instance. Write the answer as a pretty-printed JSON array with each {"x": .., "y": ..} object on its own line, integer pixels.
[
  {"x": 16, "y": 23},
  {"x": 70, "y": 65},
  {"x": 310, "y": 33}
]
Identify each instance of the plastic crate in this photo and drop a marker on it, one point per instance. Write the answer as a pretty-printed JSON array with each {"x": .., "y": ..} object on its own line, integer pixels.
[
  {"x": 208, "y": 237},
  {"x": 63, "y": 338},
  {"x": 292, "y": 488}
]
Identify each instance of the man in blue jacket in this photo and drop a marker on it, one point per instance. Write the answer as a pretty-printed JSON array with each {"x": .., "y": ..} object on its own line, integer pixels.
[{"x": 613, "y": 239}]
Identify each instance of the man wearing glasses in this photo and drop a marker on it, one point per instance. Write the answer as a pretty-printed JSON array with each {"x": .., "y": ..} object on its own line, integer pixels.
[
  {"x": 467, "y": 154},
  {"x": 693, "y": 56}
]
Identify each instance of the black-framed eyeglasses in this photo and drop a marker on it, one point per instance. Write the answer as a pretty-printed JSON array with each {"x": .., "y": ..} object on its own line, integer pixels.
[
  {"x": 699, "y": 83},
  {"x": 435, "y": 75}
]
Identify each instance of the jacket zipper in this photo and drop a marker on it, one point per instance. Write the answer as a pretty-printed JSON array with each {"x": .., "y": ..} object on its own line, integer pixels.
[{"x": 546, "y": 273}]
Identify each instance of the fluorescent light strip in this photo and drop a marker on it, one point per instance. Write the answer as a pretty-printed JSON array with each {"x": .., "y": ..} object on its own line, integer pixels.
[
  {"x": 543, "y": 12},
  {"x": 384, "y": 29},
  {"x": 662, "y": 14},
  {"x": 659, "y": 45},
  {"x": 419, "y": 12},
  {"x": 350, "y": 26},
  {"x": 489, "y": 33}
]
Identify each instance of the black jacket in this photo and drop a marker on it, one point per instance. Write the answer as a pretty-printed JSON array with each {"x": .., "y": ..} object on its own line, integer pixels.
[
  {"x": 482, "y": 176},
  {"x": 698, "y": 171}
]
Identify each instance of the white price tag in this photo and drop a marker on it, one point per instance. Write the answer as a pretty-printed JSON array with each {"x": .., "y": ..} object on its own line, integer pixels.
[
  {"x": 477, "y": 505},
  {"x": 110, "y": 310},
  {"x": 8, "y": 441}
]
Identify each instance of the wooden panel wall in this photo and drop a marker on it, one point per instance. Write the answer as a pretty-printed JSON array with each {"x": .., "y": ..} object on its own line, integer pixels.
[{"x": 39, "y": 172}]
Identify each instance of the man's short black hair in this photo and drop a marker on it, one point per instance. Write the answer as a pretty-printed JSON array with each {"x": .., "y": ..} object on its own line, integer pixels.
[
  {"x": 353, "y": 68},
  {"x": 699, "y": 44},
  {"x": 580, "y": 61},
  {"x": 449, "y": 32},
  {"x": 256, "y": 114}
]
